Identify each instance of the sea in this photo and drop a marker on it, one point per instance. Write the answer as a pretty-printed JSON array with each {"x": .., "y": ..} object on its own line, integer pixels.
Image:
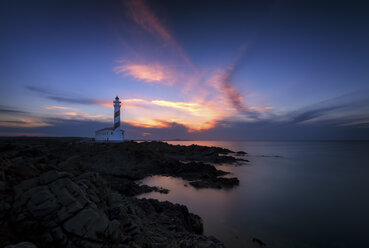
[{"x": 291, "y": 194}]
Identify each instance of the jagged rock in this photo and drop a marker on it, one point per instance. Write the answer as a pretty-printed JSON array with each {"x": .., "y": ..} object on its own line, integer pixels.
[
  {"x": 59, "y": 210},
  {"x": 57, "y": 203},
  {"x": 62, "y": 193}
]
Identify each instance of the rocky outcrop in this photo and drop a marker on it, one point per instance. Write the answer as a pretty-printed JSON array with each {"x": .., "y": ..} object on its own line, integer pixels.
[
  {"x": 131, "y": 161},
  {"x": 64, "y": 211},
  {"x": 58, "y": 209},
  {"x": 64, "y": 193}
]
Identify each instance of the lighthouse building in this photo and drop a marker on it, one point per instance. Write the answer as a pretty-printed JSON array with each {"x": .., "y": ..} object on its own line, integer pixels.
[{"x": 115, "y": 133}]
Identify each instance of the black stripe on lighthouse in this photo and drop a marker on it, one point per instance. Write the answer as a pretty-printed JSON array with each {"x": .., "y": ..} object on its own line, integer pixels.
[
  {"x": 116, "y": 125},
  {"x": 117, "y": 113}
]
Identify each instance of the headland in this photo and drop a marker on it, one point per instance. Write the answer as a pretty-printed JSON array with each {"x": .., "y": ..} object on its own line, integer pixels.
[{"x": 73, "y": 192}]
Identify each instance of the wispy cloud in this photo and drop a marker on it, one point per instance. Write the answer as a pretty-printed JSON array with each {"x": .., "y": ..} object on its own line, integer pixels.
[
  {"x": 40, "y": 90},
  {"x": 62, "y": 98},
  {"x": 150, "y": 73},
  {"x": 347, "y": 109},
  {"x": 56, "y": 107},
  {"x": 222, "y": 81},
  {"x": 24, "y": 123},
  {"x": 189, "y": 106},
  {"x": 74, "y": 100},
  {"x": 9, "y": 110},
  {"x": 149, "y": 123},
  {"x": 143, "y": 16},
  {"x": 85, "y": 116}
]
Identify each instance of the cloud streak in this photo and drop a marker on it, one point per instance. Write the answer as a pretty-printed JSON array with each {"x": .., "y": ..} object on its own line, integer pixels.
[
  {"x": 151, "y": 73},
  {"x": 347, "y": 109},
  {"x": 55, "y": 96},
  {"x": 24, "y": 123},
  {"x": 222, "y": 81},
  {"x": 9, "y": 110},
  {"x": 56, "y": 107},
  {"x": 143, "y": 16}
]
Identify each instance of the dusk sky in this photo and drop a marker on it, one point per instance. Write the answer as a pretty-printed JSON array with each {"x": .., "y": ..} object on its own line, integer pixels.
[{"x": 186, "y": 69}]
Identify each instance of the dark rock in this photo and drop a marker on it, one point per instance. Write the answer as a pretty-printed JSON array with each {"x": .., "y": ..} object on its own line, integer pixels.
[
  {"x": 220, "y": 182},
  {"x": 58, "y": 209},
  {"x": 258, "y": 242},
  {"x": 60, "y": 192},
  {"x": 22, "y": 245}
]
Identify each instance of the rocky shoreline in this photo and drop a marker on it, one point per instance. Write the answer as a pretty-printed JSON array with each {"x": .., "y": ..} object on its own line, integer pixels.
[{"x": 68, "y": 192}]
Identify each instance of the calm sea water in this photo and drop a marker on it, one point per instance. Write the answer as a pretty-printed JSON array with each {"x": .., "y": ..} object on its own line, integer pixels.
[{"x": 315, "y": 195}]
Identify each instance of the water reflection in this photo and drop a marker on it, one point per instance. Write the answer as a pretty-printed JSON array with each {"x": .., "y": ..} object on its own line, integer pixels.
[
  {"x": 314, "y": 195},
  {"x": 213, "y": 205}
]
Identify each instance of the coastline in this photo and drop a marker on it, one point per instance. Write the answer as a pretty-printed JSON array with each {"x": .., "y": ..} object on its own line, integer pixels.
[{"x": 56, "y": 187}]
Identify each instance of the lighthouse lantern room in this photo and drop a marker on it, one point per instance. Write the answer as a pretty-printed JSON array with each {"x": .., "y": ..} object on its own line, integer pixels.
[{"x": 115, "y": 133}]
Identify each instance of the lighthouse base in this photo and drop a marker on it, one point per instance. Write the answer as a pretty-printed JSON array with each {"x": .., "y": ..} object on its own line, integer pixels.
[{"x": 109, "y": 135}]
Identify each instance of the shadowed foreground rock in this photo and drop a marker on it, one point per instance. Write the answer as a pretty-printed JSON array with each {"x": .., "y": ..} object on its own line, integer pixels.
[
  {"x": 61, "y": 192},
  {"x": 59, "y": 210}
]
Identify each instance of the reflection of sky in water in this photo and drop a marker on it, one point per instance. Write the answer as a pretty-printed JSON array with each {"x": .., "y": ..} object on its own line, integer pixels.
[{"x": 315, "y": 195}]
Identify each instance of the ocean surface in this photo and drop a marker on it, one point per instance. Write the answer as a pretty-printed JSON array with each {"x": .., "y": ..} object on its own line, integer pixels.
[{"x": 316, "y": 194}]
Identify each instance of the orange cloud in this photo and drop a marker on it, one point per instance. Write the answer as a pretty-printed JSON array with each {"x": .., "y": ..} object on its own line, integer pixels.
[
  {"x": 203, "y": 126},
  {"x": 189, "y": 106},
  {"x": 135, "y": 103},
  {"x": 108, "y": 104},
  {"x": 221, "y": 81},
  {"x": 145, "y": 134},
  {"x": 56, "y": 107},
  {"x": 194, "y": 116},
  {"x": 149, "y": 123},
  {"x": 24, "y": 123},
  {"x": 153, "y": 73}
]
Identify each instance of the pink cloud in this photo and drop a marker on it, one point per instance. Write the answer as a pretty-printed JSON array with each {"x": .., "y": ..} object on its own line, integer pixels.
[
  {"x": 56, "y": 107},
  {"x": 151, "y": 73},
  {"x": 85, "y": 116}
]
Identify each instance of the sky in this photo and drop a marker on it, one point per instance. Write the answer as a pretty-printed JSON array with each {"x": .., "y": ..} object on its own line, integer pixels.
[{"x": 216, "y": 70}]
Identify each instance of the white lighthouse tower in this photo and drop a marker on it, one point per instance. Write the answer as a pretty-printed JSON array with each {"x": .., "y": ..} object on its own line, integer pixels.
[{"x": 114, "y": 134}]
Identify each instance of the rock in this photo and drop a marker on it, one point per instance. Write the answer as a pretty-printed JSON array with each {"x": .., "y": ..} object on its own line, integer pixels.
[
  {"x": 51, "y": 176},
  {"x": 88, "y": 223},
  {"x": 258, "y": 242},
  {"x": 58, "y": 210},
  {"x": 64, "y": 193},
  {"x": 59, "y": 205},
  {"x": 220, "y": 182},
  {"x": 22, "y": 245}
]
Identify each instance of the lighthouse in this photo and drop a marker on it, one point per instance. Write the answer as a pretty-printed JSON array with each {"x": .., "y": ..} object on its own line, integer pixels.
[
  {"x": 117, "y": 115},
  {"x": 115, "y": 133}
]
